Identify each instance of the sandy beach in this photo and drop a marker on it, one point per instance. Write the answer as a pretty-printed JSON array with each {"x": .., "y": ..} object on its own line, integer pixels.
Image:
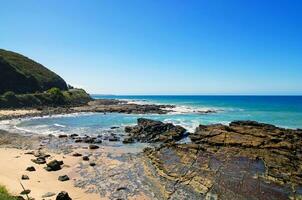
[
  {"x": 14, "y": 163},
  {"x": 102, "y": 175}
]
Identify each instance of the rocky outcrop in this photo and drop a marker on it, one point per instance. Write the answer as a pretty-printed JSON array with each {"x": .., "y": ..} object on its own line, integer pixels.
[
  {"x": 118, "y": 106},
  {"x": 245, "y": 160},
  {"x": 148, "y": 130}
]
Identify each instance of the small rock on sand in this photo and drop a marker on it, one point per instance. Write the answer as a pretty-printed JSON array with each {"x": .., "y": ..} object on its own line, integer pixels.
[
  {"x": 76, "y": 154},
  {"x": 63, "y": 178},
  {"x": 24, "y": 192},
  {"x": 40, "y": 160},
  {"x": 30, "y": 153},
  {"x": 25, "y": 177},
  {"x": 74, "y": 135},
  {"x": 31, "y": 169},
  {"x": 48, "y": 194},
  {"x": 63, "y": 196},
  {"x": 93, "y": 146},
  {"x": 85, "y": 158},
  {"x": 54, "y": 165}
]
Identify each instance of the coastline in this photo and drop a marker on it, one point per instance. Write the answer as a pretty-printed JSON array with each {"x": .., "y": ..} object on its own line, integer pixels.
[
  {"x": 99, "y": 106},
  {"x": 153, "y": 155},
  {"x": 40, "y": 182},
  {"x": 17, "y": 152}
]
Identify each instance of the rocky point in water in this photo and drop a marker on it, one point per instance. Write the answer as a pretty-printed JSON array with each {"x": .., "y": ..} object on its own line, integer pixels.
[
  {"x": 245, "y": 160},
  {"x": 148, "y": 130}
]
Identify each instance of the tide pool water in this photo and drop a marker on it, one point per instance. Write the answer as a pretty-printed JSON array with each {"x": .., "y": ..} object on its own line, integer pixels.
[{"x": 284, "y": 111}]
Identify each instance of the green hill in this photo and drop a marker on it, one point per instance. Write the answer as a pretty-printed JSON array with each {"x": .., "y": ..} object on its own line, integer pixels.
[
  {"x": 26, "y": 83},
  {"x": 23, "y": 75}
]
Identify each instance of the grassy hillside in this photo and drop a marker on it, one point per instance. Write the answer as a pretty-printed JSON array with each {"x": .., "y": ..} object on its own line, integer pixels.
[
  {"x": 23, "y": 75},
  {"x": 53, "y": 97}
]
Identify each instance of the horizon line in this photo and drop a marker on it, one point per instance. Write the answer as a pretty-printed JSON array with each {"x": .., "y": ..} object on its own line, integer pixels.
[{"x": 196, "y": 94}]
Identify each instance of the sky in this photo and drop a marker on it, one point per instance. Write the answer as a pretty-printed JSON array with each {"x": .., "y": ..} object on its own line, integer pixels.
[{"x": 161, "y": 46}]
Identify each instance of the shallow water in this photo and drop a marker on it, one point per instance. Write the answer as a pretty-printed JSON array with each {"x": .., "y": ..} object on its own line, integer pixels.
[{"x": 285, "y": 111}]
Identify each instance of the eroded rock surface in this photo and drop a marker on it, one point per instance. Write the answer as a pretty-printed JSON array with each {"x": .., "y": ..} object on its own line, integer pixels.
[
  {"x": 245, "y": 160},
  {"x": 112, "y": 105},
  {"x": 148, "y": 130}
]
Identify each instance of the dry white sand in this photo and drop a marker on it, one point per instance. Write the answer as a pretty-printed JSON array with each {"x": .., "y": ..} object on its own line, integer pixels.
[{"x": 14, "y": 162}]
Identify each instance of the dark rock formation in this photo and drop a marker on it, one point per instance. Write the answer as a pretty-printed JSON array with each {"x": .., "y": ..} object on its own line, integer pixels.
[
  {"x": 93, "y": 146},
  {"x": 63, "y": 196},
  {"x": 148, "y": 130},
  {"x": 31, "y": 169},
  {"x": 245, "y": 160},
  {"x": 39, "y": 160},
  {"x": 63, "y": 178},
  {"x": 24, "y": 177},
  {"x": 114, "y": 127},
  {"x": 25, "y": 192},
  {"x": 113, "y": 138},
  {"x": 54, "y": 165},
  {"x": 112, "y": 105},
  {"x": 76, "y": 154},
  {"x": 85, "y": 158},
  {"x": 74, "y": 135},
  {"x": 128, "y": 140}
]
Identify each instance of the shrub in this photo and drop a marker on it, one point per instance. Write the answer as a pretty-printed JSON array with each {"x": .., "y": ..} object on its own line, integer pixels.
[
  {"x": 29, "y": 100},
  {"x": 56, "y": 95},
  {"x": 4, "y": 195},
  {"x": 9, "y": 95}
]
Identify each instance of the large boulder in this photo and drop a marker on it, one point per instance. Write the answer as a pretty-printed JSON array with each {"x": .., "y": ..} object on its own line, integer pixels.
[{"x": 149, "y": 131}]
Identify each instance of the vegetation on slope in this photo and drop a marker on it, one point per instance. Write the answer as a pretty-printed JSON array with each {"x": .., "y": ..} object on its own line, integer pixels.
[
  {"x": 53, "y": 97},
  {"x": 23, "y": 75}
]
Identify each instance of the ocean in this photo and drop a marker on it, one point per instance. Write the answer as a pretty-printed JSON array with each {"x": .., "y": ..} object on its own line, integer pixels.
[{"x": 284, "y": 111}]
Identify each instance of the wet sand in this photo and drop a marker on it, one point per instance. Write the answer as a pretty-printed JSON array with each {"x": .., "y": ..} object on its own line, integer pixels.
[{"x": 18, "y": 112}]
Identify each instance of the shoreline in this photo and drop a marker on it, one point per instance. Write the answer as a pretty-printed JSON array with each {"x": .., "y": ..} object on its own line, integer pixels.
[
  {"x": 97, "y": 106},
  {"x": 40, "y": 182},
  {"x": 17, "y": 152},
  {"x": 256, "y": 151},
  {"x": 242, "y": 154}
]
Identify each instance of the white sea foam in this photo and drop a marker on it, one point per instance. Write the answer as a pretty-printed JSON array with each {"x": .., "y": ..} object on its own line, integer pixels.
[
  {"x": 189, "y": 125},
  {"x": 191, "y": 110},
  {"x": 177, "y": 109},
  {"x": 139, "y": 102},
  {"x": 59, "y": 125}
]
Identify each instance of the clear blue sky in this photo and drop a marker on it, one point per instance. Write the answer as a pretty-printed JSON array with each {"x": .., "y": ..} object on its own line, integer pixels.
[{"x": 162, "y": 46}]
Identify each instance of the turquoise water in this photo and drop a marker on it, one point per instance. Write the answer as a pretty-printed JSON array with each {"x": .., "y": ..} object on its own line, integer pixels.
[{"x": 285, "y": 111}]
